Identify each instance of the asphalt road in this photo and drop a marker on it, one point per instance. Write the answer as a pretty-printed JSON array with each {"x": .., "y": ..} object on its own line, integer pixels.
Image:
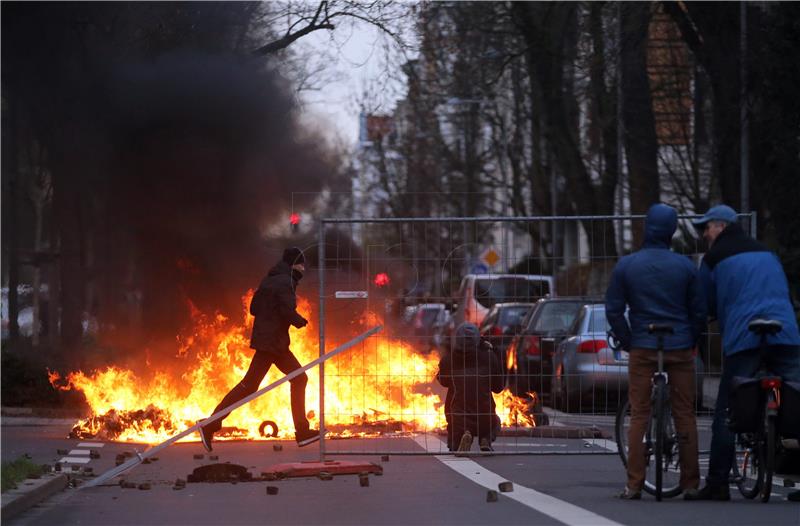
[{"x": 414, "y": 489}]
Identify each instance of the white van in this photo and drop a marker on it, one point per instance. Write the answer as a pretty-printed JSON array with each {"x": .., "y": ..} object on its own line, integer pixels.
[{"x": 479, "y": 293}]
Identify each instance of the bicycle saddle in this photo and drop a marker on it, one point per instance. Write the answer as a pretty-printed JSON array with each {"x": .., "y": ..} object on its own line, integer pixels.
[
  {"x": 762, "y": 326},
  {"x": 660, "y": 328}
]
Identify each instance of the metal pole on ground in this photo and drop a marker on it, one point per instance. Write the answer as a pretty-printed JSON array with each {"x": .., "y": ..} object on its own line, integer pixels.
[{"x": 122, "y": 468}]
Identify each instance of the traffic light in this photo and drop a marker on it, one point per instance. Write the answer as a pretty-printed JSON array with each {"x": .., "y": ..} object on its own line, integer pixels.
[
  {"x": 381, "y": 279},
  {"x": 294, "y": 221}
]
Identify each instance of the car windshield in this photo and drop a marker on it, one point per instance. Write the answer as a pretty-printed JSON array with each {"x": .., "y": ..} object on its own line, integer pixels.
[
  {"x": 513, "y": 315},
  {"x": 429, "y": 316},
  {"x": 488, "y": 292},
  {"x": 556, "y": 316}
]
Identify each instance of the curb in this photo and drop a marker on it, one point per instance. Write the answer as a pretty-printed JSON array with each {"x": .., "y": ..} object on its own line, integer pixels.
[{"x": 30, "y": 493}]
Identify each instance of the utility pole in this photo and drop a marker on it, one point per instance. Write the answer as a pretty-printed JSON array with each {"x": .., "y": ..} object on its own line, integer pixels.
[{"x": 743, "y": 120}]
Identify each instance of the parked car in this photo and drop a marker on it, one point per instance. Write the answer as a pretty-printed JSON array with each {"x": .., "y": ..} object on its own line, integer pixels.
[
  {"x": 499, "y": 324},
  {"x": 588, "y": 373},
  {"x": 441, "y": 330},
  {"x": 530, "y": 354},
  {"x": 480, "y": 292},
  {"x": 422, "y": 324}
]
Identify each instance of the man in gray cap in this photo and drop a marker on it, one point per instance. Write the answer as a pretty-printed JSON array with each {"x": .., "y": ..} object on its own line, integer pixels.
[
  {"x": 274, "y": 306},
  {"x": 743, "y": 280}
]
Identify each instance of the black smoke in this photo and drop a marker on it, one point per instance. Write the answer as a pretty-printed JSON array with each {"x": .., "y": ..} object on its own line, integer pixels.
[{"x": 208, "y": 154}]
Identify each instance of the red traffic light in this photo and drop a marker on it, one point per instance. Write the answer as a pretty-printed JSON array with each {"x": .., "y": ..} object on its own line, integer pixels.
[
  {"x": 294, "y": 219},
  {"x": 381, "y": 279}
]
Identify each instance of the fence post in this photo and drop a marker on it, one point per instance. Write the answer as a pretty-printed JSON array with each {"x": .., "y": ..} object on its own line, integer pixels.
[{"x": 321, "y": 263}]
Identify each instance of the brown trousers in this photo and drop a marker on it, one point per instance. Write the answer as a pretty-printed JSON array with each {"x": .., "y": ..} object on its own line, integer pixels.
[{"x": 679, "y": 365}]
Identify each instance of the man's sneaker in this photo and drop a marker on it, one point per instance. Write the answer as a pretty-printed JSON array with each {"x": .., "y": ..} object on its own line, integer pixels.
[
  {"x": 485, "y": 445},
  {"x": 628, "y": 494},
  {"x": 466, "y": 443},
  {"x": 206, "y": 437},
  {"x": 708, "y": 493},
  {"x": 304, "y": 438}
]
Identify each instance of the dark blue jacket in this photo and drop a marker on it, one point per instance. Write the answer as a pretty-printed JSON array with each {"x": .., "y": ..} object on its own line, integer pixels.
[
  {"x": 744, "y": 280},
  {"x": 658, "y": 286}
]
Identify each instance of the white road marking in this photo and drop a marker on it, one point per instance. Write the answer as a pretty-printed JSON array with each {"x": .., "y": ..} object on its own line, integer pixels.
[
  {"x": 91, "y": 444},
  {"x": 75, "y": 460},
  {"x": 558, "y": 509},
  {"x": 85, "y": 452}
]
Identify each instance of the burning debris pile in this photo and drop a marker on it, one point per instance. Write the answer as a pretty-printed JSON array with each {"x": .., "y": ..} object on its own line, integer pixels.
[
  {"x": 114, "y": 423},
  {"x": 381, "y": 387}
]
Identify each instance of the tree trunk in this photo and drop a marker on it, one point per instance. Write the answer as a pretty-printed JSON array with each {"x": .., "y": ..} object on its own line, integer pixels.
[
  {"x": 67, "y": 206},
  {"x": 549, "y": 31},
  {"x": 10, "y": 213},
  {"x": 641, "y": 143}
]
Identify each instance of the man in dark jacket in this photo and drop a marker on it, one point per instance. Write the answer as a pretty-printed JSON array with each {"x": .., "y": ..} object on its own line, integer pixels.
[
  {"x": 274, "y": 306},
  {"x": 743, "y": 281},
  {"x": 470, "y": 372},
  {"x": 658, "y": 286}
]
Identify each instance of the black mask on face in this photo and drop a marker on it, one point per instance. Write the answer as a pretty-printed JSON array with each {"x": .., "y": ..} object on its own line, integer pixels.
[{"x": 297, "y": 275}]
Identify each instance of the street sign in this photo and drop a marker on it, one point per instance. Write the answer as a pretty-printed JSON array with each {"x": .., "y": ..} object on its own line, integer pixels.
[
  {"x": 479, "y": 268},
  {"x": 350, "y": 294},
  {"x": 490, "y": 257}
]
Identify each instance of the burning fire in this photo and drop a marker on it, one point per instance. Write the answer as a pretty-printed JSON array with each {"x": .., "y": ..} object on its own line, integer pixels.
[{"x": 380, "y": 385}]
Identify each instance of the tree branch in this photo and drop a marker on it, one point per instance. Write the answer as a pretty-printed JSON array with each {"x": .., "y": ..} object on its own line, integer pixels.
[{"x": 288, "y": 39}]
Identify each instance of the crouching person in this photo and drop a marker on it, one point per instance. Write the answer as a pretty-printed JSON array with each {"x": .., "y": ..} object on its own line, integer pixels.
[{"x": 470, "y": 372}]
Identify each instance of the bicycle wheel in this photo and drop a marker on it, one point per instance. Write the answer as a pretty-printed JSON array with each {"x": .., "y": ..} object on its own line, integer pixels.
[
  {"x": 659, "y": 406},
  {"x": 769, "y": 468},
  {"x": 670, "y": 476},
  {"x": 748, "y": 468}
]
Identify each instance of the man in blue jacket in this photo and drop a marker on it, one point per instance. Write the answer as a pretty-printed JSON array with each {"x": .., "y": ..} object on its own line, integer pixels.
[
  {"x": 743, "y": 280},
  {"x": 658, "y": 286}
]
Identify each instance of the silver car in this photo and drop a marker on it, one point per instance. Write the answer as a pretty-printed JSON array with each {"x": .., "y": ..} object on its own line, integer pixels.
[{"x": 586, "y": 372}]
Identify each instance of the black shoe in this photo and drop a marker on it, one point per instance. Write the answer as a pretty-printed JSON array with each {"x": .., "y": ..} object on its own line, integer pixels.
[
  {"x": 206, "y": 437},
  {"x": 485, "y": 445},
  {"x": 628, "y": 494},
  {"x": 309, "y": 436},
  {"x": 708, "y": 493}
]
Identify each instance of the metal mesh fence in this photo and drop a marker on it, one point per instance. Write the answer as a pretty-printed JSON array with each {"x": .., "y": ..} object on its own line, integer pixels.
[{"x": 539, "y": 303}]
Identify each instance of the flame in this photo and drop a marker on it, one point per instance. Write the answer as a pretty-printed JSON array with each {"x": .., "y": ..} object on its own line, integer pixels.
[{"x": 382, "y": 384}]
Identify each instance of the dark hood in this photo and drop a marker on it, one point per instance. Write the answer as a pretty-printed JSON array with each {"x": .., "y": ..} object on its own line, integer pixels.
[
  {"x": 467, "y": 337},
  {"x": 283, "y": 268},
  {"x": 659, "y": 226}
]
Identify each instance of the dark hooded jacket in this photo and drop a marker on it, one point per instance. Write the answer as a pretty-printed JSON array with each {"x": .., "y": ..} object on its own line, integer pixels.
[
  {"x": 657, "y": 286},
  {"x": 471, "y": 372},
  {"x": 274, "y": 306}
]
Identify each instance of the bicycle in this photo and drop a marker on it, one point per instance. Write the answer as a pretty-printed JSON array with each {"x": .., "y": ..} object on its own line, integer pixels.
[
  {"x": 755, "y": 423},
  {"x": 660, "y": 439}
]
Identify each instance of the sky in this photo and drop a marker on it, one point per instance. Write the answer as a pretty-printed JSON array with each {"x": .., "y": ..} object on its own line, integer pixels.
[{"x": 360, "y": 68}]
